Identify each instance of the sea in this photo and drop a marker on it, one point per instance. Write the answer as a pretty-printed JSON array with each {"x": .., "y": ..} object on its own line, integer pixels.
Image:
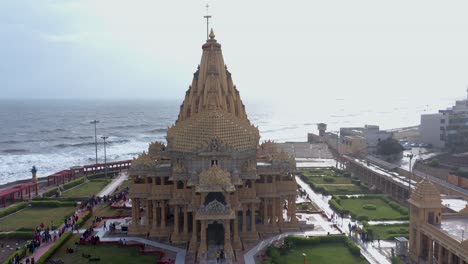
[{"x": 54, "y": 135}]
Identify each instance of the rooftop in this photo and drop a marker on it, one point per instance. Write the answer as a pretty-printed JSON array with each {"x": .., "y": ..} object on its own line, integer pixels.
[{"x": 454, "y": 226}]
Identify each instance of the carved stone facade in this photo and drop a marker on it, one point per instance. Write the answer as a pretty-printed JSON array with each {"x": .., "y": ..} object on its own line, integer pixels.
[{"x": 213, "y": 184}]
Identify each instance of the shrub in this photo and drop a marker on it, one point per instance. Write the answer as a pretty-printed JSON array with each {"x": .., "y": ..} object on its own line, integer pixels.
[
  {"x": 51, "y": 192},
  {"x": 13, "y": 208},
  {"x": 302, "y": 241},
  {"x": 328, "y": 179},
  {"x": 54, "y": 247},
  {"x": 396, "y": 260},
  {"x": 362, "y": 218},
  {"x": 342, "y": 189},
  {"x": 83, "y": 219},
  {"x": 369, "y": 207},
  {"x": 353, "y": 248},
  {"x": 73, "y": 183},
  {"x": 52, "y": 203},
  {"x": 21, "y": 252},
  {"x": 434, "y": 163}
]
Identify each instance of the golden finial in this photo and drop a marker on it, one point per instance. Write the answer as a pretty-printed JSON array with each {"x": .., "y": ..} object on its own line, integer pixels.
[{"x": 212, "y": 35}]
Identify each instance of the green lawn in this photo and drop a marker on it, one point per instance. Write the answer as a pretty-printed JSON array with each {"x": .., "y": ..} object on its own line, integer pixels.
[
  {"x": 306, "y": 206},
  {"x": 32, "y": 217},
  {"x": 389, "y": 232},
  {"x": 336, "y": 180},
  {"x": 382, "y": 210},
  {"x": 86, "y": 189},
  {"x": 348, "y": 189},
  {"x": 104, "y": 209},
  {"x": 329, "y": 253},
  {"x": 107, "y": 253}
]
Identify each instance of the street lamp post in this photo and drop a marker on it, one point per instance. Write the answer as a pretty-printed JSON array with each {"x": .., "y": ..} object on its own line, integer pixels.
[
  {"x": 410, "y": 156},
  {"x": 305, "y": 260},
  {"x": 95, "y": 136},
  {"x": 105, "y": 156}
]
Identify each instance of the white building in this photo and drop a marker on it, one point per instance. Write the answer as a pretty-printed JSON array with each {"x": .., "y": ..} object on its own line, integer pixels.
[
  {"x": 447, "y": 129},
  {"x": 371, "y": 133}
]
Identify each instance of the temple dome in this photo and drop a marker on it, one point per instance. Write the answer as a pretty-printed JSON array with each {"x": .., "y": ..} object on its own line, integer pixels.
[
  {"x": 426, "y": 195},
  {"x": 212, "y": 108}
]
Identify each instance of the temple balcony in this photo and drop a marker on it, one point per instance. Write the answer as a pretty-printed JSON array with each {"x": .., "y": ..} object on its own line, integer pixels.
[
  {"x": 266, "y": 189},
  {"x": 161, "y": 191},
  {"x": 182, "y": 195},
  {"x": 246, "y": 193},
  {"x": 286, "y": 187},
  {"x": 139, "y": 190}
]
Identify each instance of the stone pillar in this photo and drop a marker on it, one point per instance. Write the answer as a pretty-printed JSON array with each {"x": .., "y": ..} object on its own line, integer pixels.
[
  {"x": 236, "y": 228},
  {"x": 252, "y": 218},
  {"x": 194, "y": 229},
  {"x": 293, "y": 209},
  {"x": 244, "y": 218},
  {"x": 134, "y": 215},
  {"x": 155, "y": 214},
  {"x": 227, "y": 232},
  {"x": 203, "y": 236},
  {"x": 185, "y": 221},
  {"x": 137, "y": 211},
  {"x": 148, "y": 214},
  {"x": 176, "y": 219},
  {"x": 163, "y": 214},
  {"x": 450, "y": 257},
  {"x": 439, "y": 254},
  {"x": 460, "y": 260},
  {"x": 280, "y": 210},
  {"x": 430, "y": 250},
  {"x": 273, "y": 211},
  {"x": 265, "y": 211}
]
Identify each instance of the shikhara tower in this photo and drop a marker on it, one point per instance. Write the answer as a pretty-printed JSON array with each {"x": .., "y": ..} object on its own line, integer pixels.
[{"x": 213, "y": 184}]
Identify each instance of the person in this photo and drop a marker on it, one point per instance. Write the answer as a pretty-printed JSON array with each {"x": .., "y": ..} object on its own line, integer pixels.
[
  {"x": 218, "y": 255},
  {"x": 222, "y": 255},
  {"x": 33, "y": 261},
  {"x": 378, "y": 240}
]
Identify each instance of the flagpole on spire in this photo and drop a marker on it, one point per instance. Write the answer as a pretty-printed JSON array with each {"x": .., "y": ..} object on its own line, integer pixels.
[{"x": 207, "y": 22}]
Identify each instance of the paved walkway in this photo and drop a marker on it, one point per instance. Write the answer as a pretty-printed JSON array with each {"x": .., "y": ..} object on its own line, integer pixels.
[{"x": 111, "y": 187}]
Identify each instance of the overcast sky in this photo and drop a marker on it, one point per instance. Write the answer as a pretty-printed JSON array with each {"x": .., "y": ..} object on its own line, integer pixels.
[{"x": 299, "y": 49}]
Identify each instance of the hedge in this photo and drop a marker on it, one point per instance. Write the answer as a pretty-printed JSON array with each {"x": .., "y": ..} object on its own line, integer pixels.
[
  {"x": 52, "y": 203},
  {"x": 65, "y": 236},
  {"x": 51, "y": 192},
  {"x": 73, "y": 183},
  {"x": 13, "y": 208},
  {"x": 303, "y": 241},
  {"x": 21, "y": 252},
  {"x": 83, "y": 219}
]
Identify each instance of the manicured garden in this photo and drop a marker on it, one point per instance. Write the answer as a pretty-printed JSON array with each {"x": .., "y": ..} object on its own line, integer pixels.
[
  {"x": 105, "y": 253},
  {"x": 86, "y": 189},
  {"x": 387, "y": 232},
  {"x": 332, "y": 181},
  {"x": 369, "y": 207},
  {"x": 30, "y": 217},
  {"x": 323, "y": 250}
]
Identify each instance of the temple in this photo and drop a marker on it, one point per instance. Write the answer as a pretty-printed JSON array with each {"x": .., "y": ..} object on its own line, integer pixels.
[{"x": 213, "y": 185}]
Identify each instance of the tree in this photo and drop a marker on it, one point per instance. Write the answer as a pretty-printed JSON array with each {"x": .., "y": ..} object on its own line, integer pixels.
[{"x": 389, "y": 146}]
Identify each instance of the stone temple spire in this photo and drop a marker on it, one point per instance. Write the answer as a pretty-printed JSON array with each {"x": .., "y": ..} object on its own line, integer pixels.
[{"x": 212, "y": 87}]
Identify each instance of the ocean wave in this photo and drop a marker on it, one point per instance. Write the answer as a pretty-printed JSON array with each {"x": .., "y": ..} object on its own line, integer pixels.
[
  {"x": 83, "y": 144},
  {"x": 279, "y": 129},
  {"x": 129, "y": 126},
  {"x": 157, "y": 130},
  {"x": 15, "y": 151},
  {"x": 80, "y": 137},
  {"x": 52, "y": 130}
]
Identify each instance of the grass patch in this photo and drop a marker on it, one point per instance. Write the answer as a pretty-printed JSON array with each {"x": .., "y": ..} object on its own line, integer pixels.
[
  {"x": 330, "y": 253},
  {"x": 87, "y": 189},
  {"x": 105, "y": 210},
  {"x": 31, "y": 217},
  {"x": 344, "y": 189},
  {"x": 306, "y": 206},
  {"x": 383, "y": 211},
  {"x": 107, "y": 254},
  {"x": 388, "y": 232}
]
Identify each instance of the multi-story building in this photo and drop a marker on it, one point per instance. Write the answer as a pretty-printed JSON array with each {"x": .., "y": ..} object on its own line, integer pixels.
[
  {"x": 447, "y": 129},
  {"x": 436, "y": 237},
  {"x": 212, "y": 185}
]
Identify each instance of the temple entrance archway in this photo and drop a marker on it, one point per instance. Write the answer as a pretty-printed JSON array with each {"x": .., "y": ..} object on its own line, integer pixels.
[
  {"x": 215, "y": 196},
  {"x": 215, "y": 234}
]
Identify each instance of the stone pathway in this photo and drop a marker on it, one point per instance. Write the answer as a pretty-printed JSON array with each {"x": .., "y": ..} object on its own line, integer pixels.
[{"x": 111, "y": 187}]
